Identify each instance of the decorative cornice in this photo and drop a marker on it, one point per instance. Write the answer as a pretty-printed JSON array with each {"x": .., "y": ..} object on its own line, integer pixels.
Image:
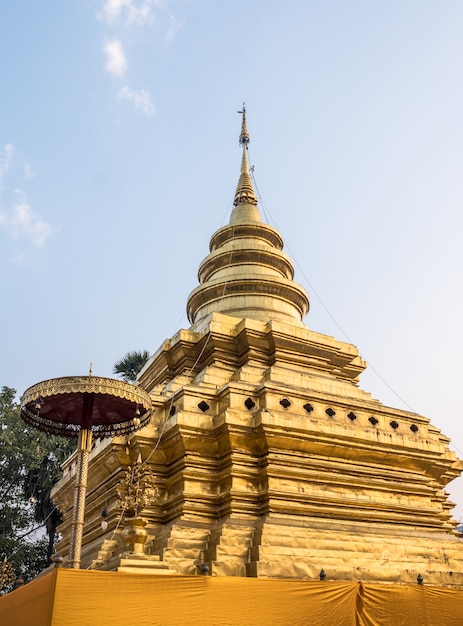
[
  {"x": 262, "y": 232},
  {"x": 240, "y": 342},
  {"x": 243, "y": 256},
  {"x": 250, "y": 288}
]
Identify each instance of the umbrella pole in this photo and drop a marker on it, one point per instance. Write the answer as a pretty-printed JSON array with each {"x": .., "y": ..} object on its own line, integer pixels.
[{"x": 80, "y": 489}]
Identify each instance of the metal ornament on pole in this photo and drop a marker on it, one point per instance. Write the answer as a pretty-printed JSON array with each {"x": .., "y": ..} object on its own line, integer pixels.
[{"x": 84, "y": 407}]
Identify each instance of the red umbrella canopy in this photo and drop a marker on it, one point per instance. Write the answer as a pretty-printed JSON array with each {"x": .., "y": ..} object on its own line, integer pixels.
[{"x": 63, "y": 406}]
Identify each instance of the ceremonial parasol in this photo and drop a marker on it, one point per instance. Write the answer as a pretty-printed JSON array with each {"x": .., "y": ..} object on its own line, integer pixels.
[{"x": 83, "y": 407}]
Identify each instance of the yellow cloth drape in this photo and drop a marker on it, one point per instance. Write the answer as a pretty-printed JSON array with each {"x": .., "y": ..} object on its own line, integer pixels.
[
  {"x": 407, "y": 605},
  {"x": 67, "y": 597},
  {"x": 31, "y": 604}
]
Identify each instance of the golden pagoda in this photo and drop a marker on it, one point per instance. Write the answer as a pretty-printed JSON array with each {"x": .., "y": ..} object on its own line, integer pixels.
[{"x": 267, "y": 457}]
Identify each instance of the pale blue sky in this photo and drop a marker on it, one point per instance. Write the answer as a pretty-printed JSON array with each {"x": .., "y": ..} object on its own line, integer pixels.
[{"x": 119, "y": 158}]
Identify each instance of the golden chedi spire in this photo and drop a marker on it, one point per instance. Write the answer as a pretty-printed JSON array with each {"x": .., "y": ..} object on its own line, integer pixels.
[
  {"x": 244, "y": 194},
  {"x": 246, "y": 273}
]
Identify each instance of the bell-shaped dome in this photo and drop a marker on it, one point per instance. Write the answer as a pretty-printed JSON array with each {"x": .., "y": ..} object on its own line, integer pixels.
[{"x": 246, "y": 273}]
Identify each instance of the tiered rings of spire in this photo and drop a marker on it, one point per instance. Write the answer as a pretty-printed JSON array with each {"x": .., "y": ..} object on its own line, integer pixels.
[{"x": 246, "y": 273}]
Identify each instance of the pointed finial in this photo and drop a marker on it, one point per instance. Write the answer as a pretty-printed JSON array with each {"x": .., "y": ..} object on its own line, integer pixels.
[
  {"x": 90, "y": 371},
  {"x": 244, "y": 136},
  {"x": 245, "y": 191}
]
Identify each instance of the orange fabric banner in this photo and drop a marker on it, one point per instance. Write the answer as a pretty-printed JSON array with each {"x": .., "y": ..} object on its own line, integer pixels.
[
  {"x": 418, "y": 605},
  {"x": 66, "y": 597},
  {"x": 31, "y": 605},
  {"x": 177, "y": 600}
]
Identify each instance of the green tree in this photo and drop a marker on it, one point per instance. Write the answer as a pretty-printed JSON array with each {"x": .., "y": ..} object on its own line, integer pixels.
[
  {"x": 38, "y": 484},
  {"x": 131, "y": 364},
  {"x": 29, "y": 466}
]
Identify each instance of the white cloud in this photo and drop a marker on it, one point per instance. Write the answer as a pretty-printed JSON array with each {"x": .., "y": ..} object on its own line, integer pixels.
[
  {"x": 174, "y": 27},
  {"x": 22, "y": 221},
  {"x": 19, "y": 219},
  {"x": 115, "y": 57},
  {"x": 28, "y": 172},
  {"x": 119, "y": 14},
  {"x": 111, "y": 11},
  {"x": 141, "y": 15},
  {"x": 140, "y": 99},
  {"x": 6, "y": 160},
  {"x": 137, "y": 13}
]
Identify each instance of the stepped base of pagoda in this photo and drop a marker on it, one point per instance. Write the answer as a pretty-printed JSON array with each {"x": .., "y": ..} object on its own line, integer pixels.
[{"x": 286, "y": 548}]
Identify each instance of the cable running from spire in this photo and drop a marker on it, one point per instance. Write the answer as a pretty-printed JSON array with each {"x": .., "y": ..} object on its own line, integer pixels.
[{"x": 313, "y": 290}]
